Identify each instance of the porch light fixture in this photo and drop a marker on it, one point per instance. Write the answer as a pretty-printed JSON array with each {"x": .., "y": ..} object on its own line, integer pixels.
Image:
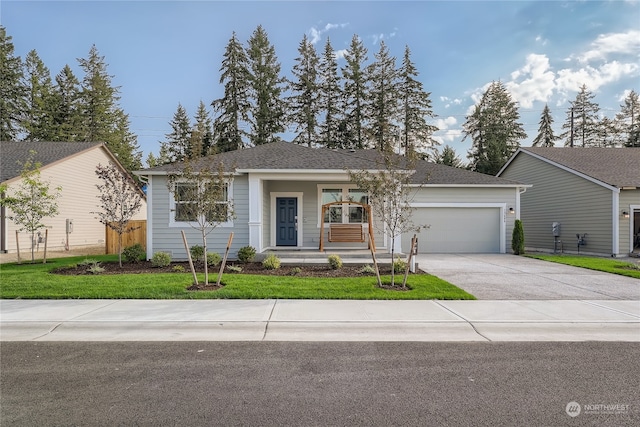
[
  {"x": 511, "y": 211},
  {"x": 625, "y": 214}
]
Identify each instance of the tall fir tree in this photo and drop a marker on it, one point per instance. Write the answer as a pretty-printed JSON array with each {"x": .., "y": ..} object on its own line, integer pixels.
[
  {"x": 38, "y": 119},
  {"x": 415, "y": 108},
  {"x": 330, "y": 97},
  {"x": 124, "y": 143},
  {"x": 383, "y": 110},
  {"x": 303, "y": 104},
  {"x": 12, "y": 90},
  {"x": 267, "y": 86},
  {"x": 582, "y": 124},
  {"x": 628, "y": 121},
  {"x": 355, "y": 95},
  {"x": 67, "y": 117},
  {"x": 177, "y": 145},
  {"x": 202, "y": 133},
  {"x": 545, "y": 137},
  {"x": 232, "y": 110},
  {"x": 494, "y": 129}
]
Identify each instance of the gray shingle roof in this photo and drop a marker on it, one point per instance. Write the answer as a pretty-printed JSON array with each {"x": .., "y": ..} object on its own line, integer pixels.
[
  {"x": 289, "y": 156},
  {"x": 12, "y": 154},
  {"x": 619, "y": 167}
]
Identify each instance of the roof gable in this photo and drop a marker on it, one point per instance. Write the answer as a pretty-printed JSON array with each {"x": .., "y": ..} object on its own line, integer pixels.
[
  {"x": 616, "y": 167},
  {"x": 14, "y": 154}
]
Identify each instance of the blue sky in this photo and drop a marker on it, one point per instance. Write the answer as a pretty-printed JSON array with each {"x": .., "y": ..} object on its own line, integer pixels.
[{"x": 162, "y": 53}]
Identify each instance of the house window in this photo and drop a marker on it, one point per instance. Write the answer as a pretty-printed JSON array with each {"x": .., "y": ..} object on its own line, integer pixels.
[
  {"x": 184, "y": 199},
  {"x": 340, "y": 213}
]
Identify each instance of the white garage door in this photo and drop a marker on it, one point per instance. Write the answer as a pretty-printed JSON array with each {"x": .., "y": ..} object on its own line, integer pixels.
[{"x": 456, "y": 230}]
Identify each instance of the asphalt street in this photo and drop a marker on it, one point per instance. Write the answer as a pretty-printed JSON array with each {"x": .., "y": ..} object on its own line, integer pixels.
[{"x": 319, "y": 384}]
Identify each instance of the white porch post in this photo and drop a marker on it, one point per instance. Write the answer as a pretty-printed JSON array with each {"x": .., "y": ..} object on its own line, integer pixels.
[{"x": 255, "y": 213}]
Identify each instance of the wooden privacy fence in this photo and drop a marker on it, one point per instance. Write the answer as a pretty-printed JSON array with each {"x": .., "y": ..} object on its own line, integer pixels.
[{"x": 139, "y": 235}]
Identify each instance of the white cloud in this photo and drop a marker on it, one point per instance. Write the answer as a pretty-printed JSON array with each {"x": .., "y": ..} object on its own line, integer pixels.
[
  {"x": 445, "y": 133},
  {"x": 570, "y": 80},
  {"x": 340, "y": 53},
  {"x": 541, "y": 40},
  {"x": 315, "y": 34},
  {"x": 449, "y": 102},
  {"x": 533, "y": 82},
  {"x": 612, "y": 43}
]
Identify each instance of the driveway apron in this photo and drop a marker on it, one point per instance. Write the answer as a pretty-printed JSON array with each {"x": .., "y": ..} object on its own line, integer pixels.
[{"x": 510, "y": 277}]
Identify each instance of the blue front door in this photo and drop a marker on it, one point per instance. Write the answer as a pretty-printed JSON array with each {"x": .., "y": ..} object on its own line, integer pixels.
[{"x": 286, "y": 221}]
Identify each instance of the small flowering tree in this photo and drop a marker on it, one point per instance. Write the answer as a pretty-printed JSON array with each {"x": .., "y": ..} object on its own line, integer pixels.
[
  {"x": 32, "y": 201},
  {"x": 120, "y": 200}
]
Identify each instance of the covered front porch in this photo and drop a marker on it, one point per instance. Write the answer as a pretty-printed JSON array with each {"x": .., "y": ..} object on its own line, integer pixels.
[{"x": 286, "y": 215}]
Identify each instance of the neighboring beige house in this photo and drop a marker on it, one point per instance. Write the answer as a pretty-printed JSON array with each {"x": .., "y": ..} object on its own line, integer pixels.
[
  {"x": 592, "y": 191},
  {"x": 278, "y": 191},
  {"x": 71, "y": 166}
]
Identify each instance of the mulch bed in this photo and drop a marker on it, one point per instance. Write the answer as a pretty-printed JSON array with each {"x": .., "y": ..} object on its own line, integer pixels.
[{"x": 302, "y": 270}]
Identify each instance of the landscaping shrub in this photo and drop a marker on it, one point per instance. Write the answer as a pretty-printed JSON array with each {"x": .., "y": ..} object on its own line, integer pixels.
[
  {"x": 246, "y": 254},
  {"x": 95, "y": 268},
  {"x": 213, "y": 259},
  {"x": 133, "y": 254},
  {"x": 197, "y": 252},
  {"x": 399, "y": 266},
  {"x": 295, "y": 271},
  {"x": 271, "y": 262},
  {"x": 367, "y": 269},
  {"x": 517, "y": 239},
  {"x": 234, "y": 269},
  {"x": 335, "y": 262},
  {"x": 178, "y": 269},
  {"x": 160, "y": 259}
]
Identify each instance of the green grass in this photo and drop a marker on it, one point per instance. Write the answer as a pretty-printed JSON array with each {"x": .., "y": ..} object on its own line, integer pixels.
[
  {"x": 34, "y": 281},
  {"x": 593, "y": 263}
]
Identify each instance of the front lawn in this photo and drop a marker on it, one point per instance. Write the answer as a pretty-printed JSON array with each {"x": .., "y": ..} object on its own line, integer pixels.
[
  {"x": 34, "y": 281},
  {"x": 594, "y": 263}
]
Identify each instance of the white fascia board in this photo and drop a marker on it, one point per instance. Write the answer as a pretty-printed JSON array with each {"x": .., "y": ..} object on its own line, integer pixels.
[
  {"x": 300, "y": 175},
  {"x": 472, "y": 185}
]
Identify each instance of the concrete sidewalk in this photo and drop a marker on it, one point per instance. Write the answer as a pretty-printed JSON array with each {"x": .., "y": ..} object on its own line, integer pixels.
[{"x": 318, "y": 320}]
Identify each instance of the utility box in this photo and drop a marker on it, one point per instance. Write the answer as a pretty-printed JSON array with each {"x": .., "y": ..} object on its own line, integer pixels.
[
  {"x": 69, "y": 226},
  {"x": 555, "y": 229}
]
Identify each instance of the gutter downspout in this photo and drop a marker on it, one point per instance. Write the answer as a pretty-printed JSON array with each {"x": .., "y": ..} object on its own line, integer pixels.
[{"x": 615, "y": 223}]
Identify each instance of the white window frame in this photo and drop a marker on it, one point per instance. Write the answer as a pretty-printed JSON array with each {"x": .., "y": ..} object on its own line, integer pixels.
[
  {"x": 344, "y": 189},
  {"x": 192, "y": 224}
]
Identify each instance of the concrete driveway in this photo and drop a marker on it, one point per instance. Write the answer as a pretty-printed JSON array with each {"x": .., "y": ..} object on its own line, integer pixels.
[{"x": 510, "y": 277}]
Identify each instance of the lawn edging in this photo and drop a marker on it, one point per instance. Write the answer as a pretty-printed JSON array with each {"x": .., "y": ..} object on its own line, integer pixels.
[{"x": 606, "y": 265}]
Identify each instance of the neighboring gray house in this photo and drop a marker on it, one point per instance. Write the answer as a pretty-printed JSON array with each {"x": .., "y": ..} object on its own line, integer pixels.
[
  {"x": 278, "y": 190},
  {"x": 592, "y": 191},
  {"x": 71, "y": 166}
]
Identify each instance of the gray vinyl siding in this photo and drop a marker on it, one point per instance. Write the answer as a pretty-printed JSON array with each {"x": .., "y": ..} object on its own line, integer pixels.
[
  {"x": 168, "y": 238},
  {"x": 581, "y": 206},
  {"x": 628, "y": 198}
]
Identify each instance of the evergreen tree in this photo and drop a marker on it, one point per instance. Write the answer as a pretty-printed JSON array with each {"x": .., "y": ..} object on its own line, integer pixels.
[
  {"x": 330, "y": 96},
  {"x": 448, "y": 157},
  {"x": 545, "y": 137},
  {"x": 124, "y": 143},
  {"x": 415, "y": 107},
  {"x": 628, "y": 121},
  {"x": 12, "y": 90},
  {"x": 354, "y": 95},
  {"x": 67, "y": 117},
  {"x": 304, "y": 102},
  {"x": 40, "y": 103},
  {"x": 177, "y": 145},
  {"x": 233, "y": 108},
  {"x": 98, "y": 98},
  {"x": 202, "y": 133},
  {"x": 582, "y": 124},
  {"x": 383, "y": 110},
  {"x": 268, "y": 108},
  {"x": 494, "y": 129}
]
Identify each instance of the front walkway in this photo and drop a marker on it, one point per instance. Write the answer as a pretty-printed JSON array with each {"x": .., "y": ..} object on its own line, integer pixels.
[{"x": 510, "y": 277}]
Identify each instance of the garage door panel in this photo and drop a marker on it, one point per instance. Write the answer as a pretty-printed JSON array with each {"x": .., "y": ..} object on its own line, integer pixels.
[{"x": 457, "y": 230}]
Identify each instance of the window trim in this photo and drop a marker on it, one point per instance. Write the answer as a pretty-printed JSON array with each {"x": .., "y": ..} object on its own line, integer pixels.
[
  {"x": 344, "y": 189},
  {"x": 193, "y": 224}
]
